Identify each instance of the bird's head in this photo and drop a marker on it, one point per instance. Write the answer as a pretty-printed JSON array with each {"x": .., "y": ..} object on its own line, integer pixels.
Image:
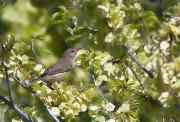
[{"x": 70, "y": 52}]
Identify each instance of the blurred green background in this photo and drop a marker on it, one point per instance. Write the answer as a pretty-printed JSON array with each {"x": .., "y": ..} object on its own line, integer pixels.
[{"x": 32, "y": 18}]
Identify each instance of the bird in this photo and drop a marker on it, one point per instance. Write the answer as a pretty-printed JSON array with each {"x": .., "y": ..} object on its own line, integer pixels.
[{"x": 61, "y": 67}]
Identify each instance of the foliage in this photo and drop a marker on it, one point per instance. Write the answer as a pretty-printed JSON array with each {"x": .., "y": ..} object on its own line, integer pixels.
[{"x": 127, "y": 68}]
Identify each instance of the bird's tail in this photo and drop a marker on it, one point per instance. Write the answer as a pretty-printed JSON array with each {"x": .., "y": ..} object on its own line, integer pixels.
[
  {"x": 36, "y": 79},
  {"x": 42, "y": 82}
]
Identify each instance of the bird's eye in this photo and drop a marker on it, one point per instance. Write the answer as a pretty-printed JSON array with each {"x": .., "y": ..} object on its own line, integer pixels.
[{"x": 72, "y": 51}]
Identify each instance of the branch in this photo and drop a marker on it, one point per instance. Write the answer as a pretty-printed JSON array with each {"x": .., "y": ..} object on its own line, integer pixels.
[
  {"x": 10, "y": 103},
  {"x": 16, "y": 109},
  {"x": 33, "y": 50},
  {"x": 150, "y": 74},
  {"x": 134, "y": 73},
  {"x": 8, "y": 83},
  {"x": 95, "y": 83},
  {"x": 35, "y": 94},
  {"x": 6, "y": 75}
]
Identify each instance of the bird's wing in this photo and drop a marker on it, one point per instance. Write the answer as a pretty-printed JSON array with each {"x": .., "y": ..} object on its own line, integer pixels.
[{"x": 63, "y": 65}]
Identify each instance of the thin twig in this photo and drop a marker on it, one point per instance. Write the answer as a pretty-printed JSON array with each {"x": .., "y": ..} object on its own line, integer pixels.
[
  {"x": 16, "y": 109},
  {"x": 150, "y": 74},
  {"x": 8, "y": 84},
  {"x": 32, "y": 47},
  {"x": 6, "y": 75},
  {"x": 134, "y": 73},
  {"x": 10, "y": 103},
  {"x": 35, "y": 94},
  {"x": 95, "y": 83}
]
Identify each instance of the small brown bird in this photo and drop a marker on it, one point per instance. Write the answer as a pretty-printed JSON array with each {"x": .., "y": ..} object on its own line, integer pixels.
[{"x": 63, "y": 65}]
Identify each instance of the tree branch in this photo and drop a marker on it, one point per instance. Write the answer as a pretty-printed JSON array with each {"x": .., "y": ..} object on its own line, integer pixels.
[
  {"x": 134, "y": 73},
  {"x": 10, "y": 103},
  {"x": 150, "y": 74},
  {"x": 6, "y": 75},
  {"x": 16, "y": 109},
  {"x": 8, "y": 84},
  {"x": 129, "y": 53},
  {"x": 35, "y": 94}
]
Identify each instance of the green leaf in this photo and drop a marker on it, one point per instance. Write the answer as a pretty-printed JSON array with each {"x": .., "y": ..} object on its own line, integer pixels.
[{"x": 125, "y": 107}]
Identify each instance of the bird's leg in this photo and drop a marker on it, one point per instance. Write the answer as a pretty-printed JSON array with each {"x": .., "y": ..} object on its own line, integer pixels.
[{"x": 48, "y": 85}]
